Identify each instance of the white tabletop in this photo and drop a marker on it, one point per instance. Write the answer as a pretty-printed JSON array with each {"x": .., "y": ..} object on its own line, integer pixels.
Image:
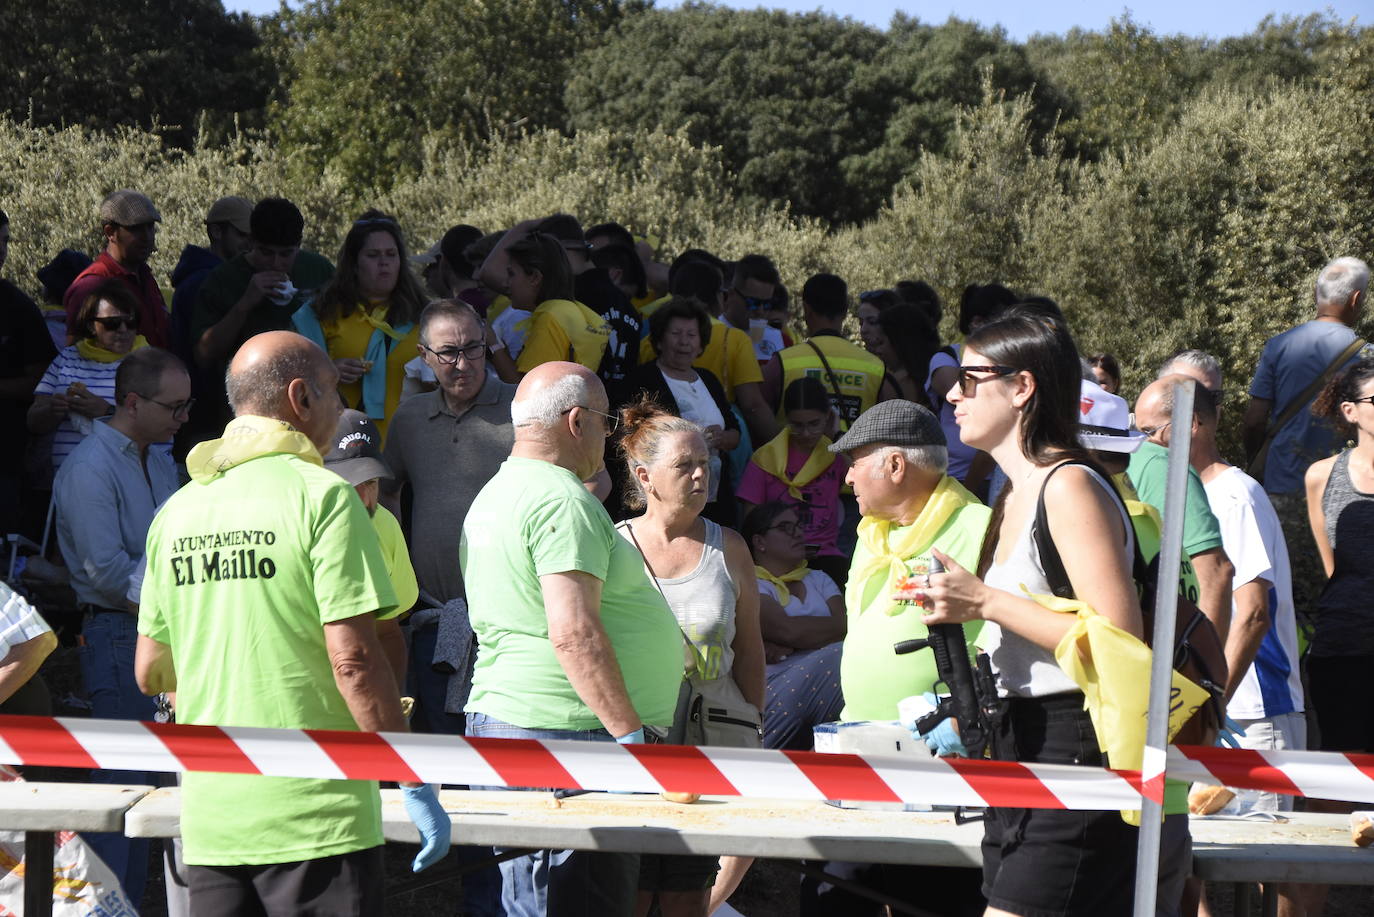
[{"x": 66, "y": 806}]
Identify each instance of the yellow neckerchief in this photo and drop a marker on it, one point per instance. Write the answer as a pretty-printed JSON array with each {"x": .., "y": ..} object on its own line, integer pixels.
[
  {"x": 1134, "y": 505},
  {"x": 948, "y": 498},
  {"x": 1113, "y": 669},
  {"x": 795, "y": 575},
  {"x": 90, "y": 350},
  {"x": 772, "y": 458},
  {"x": 246, "y": 438},
  {"x": 366, "y": 309}
]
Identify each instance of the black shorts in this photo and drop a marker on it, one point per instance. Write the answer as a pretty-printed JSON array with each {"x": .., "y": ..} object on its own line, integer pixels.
[
  {"x": 1342, "y": 694},
  {"x": 1049, "y": 862},
  {"x": 663, "y": 873},
  {"x": 345, "y": 885}
]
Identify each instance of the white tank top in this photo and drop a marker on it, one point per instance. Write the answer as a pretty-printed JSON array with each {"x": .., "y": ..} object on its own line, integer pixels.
[{"x": 1025, "y": 669}]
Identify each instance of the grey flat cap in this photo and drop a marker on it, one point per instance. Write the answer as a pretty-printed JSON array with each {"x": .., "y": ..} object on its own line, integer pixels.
[
  {"x": 892, "y": 423},
  {"x": 128, "y": 207}
]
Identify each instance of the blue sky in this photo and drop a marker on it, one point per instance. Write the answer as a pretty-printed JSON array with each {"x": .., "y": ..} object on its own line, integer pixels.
[{"x": 1214, "y": 18}]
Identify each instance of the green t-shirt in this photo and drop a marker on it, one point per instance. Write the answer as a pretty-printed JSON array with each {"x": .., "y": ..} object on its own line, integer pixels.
[
  {"x": 243, "y": 572},
  {"x": 872, "y": 677},
  {"x": 534, "y": 518},
  {"x": 1148, "y": 471}
]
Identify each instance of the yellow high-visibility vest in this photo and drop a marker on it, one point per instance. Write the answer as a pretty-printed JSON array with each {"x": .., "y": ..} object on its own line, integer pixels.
[{"x": 858, "y": 375}]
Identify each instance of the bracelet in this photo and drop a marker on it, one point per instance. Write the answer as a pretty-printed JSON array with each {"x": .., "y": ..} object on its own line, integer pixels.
[{"x": 499, "y": 345}]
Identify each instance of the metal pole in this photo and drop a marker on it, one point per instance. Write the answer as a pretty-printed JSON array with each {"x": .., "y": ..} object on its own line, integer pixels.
[{"x": 1161, "y": 665}]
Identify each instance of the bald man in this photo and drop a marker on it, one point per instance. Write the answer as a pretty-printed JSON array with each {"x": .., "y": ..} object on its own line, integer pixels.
[
  {"x": 574, "y": 640},
  {"x": 267, "y": 603}
]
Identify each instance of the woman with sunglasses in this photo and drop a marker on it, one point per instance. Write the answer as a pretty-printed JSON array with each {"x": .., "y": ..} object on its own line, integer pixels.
[
  {"x": 1340, "y": 509},
  {"x": 79, "y": 384},
  {"x": 707, "y": 577},
  {"x": 796, "y": 469},
  {"x": 1017, "y": 398},
  {"x": 365, "y": 317}
]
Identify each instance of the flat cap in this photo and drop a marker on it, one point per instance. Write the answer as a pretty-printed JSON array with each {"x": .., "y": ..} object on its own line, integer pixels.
[
  {"x": 892, "y": 423},
  {"x": 233, "y": 210},
  {"x": 128, "y": 207}
]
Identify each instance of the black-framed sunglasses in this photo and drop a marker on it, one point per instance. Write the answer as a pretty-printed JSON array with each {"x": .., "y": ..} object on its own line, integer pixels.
[
  {"x": 754, "y": 303},
  {"x": 375, "y": 221},
  {"x": 968, "y": 383},
  {"x": 612, "y": 420},
  {"x": 117, "y": 322},
  {"x": 470, "y": 352},
  {"x": 182, "y": 408}
]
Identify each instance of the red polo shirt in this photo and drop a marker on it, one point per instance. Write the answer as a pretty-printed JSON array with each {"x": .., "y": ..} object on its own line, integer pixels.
[{"x": 152, "y": 314}]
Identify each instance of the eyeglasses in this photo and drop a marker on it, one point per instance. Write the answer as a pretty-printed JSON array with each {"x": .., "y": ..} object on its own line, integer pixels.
[
  {"x": 968, "y": 383},
  {"x": 612, "y": 420},
  {"x": 1367, "y": 399},
  {"x": 116, "y": 322},
  {"x": 787, "y": 528},
  {"x": 181, "y": 408},
  {"x": 449, "y": 357},
  {"x": 1152, "y": 432}
]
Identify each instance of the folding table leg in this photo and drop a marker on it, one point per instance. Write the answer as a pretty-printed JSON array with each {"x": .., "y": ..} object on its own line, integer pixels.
[{"x": 38, "y": 854}]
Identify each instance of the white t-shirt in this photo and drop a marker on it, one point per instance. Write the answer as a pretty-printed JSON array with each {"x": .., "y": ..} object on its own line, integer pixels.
[
  {"x": 504, "y": 327},
  {"x": 767, "y": 339},
  {"x": 694, "y": 402},
  {"x": 1253, "y": 539},
  {"x": 819, "y": 590}
]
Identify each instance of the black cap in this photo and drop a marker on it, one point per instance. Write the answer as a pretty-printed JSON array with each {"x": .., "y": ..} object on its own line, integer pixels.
[
  {"x": 892, "y": 423},
  {"x": 357, "y": 453}
]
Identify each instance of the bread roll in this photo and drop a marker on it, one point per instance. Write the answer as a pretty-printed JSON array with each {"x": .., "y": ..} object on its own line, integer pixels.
[
  {"x": 1205, "y": 800},
  {"x": 1361, "y": 829},
  {"x": 684, "y": 798}
]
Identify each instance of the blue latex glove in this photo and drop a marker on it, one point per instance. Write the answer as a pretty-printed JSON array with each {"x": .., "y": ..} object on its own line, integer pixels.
[
  {"x": 632, "y": 738},
  {"x": 1230, "y": 733},
  {"x": 944, "y": 739},
  {"x": 422, "y": 805}
]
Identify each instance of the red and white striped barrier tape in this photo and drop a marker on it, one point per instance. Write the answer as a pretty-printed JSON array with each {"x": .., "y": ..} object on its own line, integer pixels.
[{"x": 124, "y": 745}]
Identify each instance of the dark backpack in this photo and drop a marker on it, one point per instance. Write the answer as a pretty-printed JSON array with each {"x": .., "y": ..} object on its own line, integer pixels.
[{"x": 1198, "y": 652}]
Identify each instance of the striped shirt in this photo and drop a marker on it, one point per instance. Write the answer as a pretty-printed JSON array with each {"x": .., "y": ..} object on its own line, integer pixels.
[{"x": 69, "y": 367}]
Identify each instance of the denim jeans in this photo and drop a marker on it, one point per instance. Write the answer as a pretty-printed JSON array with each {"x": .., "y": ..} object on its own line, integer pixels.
[
  {"x": 561, "y": 883},
  {"x": 428, "y": 687},
  {"x": 107, "y": 666}
]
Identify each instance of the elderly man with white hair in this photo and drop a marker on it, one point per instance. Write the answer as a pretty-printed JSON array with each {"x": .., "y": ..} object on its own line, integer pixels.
[{"x": 574, "y": 641}]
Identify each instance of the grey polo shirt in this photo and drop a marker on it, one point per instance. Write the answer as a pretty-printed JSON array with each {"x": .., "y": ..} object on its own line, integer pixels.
[{"x": 447, "y": 459}]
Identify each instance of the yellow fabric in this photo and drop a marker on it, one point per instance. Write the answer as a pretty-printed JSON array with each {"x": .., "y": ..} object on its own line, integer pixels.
[
  {"x": 397, "y": 557},
  {"x": 561, "y": 329},
  {"x": 858, "y": 374},
  {"x": 90, "y": 350},
  {"x": 650, "y": 304},
  {"x": 1116, "y": 693},
  {"x": 498, "y": 305},
  {"x": 248, "y": 437},
  {"x": 347, "y": 338},
  {"x": 772, "y": 458},
  {"x": 795, "y": 575},
  {"x": 949, "y": 496},
  {"x": 729, "y": 355}
]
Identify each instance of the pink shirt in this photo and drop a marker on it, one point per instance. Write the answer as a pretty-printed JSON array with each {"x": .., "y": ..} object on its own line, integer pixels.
[{"x": 822, "y": 496}]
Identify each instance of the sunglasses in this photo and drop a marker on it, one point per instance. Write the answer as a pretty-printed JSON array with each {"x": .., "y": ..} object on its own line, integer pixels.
[
  {"x": 117, "y": 322},
  {"x": 753, "y": 303},
  {"x": 968, "y": 383}
]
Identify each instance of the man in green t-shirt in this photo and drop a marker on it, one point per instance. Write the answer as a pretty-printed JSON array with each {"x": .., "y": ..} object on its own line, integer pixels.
[
  {"x": 908, "y": 506},
  {"x": 574, "y": 641},
  {"x": 266, "y": 602}
]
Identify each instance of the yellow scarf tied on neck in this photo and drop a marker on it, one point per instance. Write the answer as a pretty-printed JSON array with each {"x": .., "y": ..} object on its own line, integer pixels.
[
  {"x": 246, "y": 438},
  {"x": 1113, "y": 669},
  {"x": 948, "y": 498},
  {"x": 795, "y": 575},
  {"x": 772, "y": 458},
  {"x": 90, "y": 350}
]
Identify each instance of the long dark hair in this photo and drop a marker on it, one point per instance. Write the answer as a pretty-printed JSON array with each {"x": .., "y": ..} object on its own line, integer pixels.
[
  {"x": 761, "y": 518},
  {"x": 913, "y": 340},
  {"x": 340, "y": 297},
  {"x": 544, "y": 253}
]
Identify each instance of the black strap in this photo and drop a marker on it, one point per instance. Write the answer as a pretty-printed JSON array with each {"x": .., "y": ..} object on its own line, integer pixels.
[
  {"x": 830, "y": 374},
  {"x": 1050, "y": 560}
]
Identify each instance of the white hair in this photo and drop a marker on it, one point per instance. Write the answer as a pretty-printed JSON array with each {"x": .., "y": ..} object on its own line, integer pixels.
[
  {"x": 1340, "y": 280},
  {"x": 926, "y": 458},
  {"x": 1200, "y": 360},
  {"x": 544, "y": 406}
]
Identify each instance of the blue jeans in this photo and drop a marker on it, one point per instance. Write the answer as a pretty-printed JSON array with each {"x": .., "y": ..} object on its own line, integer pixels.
[
  {"x": 107, "y": 667},
  {"x": 562, "y": 883}
]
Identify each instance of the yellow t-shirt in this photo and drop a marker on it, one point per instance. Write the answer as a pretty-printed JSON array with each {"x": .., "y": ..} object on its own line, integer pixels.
[
  {"x": 561, "y": 329},
  {"x": 397, "y": 558},
  {"x": 729, "y": 355},
  {"x": 347, "y": 339}
]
